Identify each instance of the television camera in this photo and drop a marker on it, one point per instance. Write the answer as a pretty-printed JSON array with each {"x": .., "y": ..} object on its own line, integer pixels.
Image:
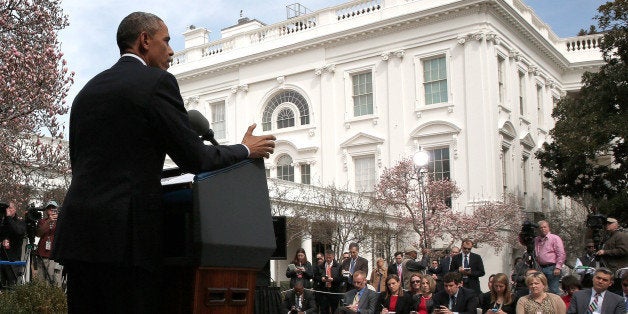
[
  {"x": 526, "y": 238},
  {"x": 597, "y": 224},
  {"x": 31, "y": 217}
]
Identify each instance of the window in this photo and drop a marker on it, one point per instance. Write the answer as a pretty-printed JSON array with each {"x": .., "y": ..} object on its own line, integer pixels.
[
  {"x": 501, "y": 64},
  {"x": 305, "y": 174},
  {"x": 438, "y": 165},
  {"x": 524, "y": 175},
  {"x": 539, "y": 105},
  {"x": 364, "y": 173},
  {"x": 505, "y": 169},
  {"x": 435, "y": 80},
  {"x": 286, "y": 97},
  {"x": 218, "y": 119},
  {"x": 362, "y": 94},
  {"x": 285, "y": 170},
  {"x": 522, "y": 92},
  {"x": 285, "y": 118}
]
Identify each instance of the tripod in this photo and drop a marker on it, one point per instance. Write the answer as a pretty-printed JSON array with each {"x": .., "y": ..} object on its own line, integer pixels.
[{"x": 34, "y": 261}]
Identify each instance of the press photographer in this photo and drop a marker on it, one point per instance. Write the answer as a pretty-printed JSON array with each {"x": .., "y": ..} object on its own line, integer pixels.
[
  {"x": 45, "y": 268},
  {"x": 12, "y": 230},
  {"x": 614, "y": 251}
]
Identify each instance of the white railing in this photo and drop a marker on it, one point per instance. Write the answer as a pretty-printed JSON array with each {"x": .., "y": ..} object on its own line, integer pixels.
[
  {"x": 329, "y": 17},
  {"x": 582, "y": 43},
  {"x": 357, "y": 8},
  {"x": 289, "y": 27}
]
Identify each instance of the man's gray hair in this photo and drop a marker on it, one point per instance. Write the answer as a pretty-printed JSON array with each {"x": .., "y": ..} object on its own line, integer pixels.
[{"x": 133, "y": 25}]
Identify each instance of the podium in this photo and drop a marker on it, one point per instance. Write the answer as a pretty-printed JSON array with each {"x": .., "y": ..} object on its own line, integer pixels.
[{"x": 220, "y": 233}]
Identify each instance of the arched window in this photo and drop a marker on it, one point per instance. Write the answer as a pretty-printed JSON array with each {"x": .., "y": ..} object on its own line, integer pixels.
[
  {"x": 285, "y": 170},
  {"x": 285, "y": 97},
  {"x": 285, "y": 118}
]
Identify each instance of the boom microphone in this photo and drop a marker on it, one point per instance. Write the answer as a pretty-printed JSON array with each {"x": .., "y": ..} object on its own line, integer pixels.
[{"x": 201, "y": 126}]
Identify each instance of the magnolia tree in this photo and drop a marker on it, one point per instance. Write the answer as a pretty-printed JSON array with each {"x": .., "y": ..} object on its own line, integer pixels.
[
  {"x": 34, "y": 82},
  {"x": 424, "y": 206}
]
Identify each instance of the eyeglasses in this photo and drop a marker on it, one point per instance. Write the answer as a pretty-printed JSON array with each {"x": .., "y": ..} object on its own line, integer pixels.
[
  {"x": 590, "y": 246},
  {"x": 415, "y": 281}
]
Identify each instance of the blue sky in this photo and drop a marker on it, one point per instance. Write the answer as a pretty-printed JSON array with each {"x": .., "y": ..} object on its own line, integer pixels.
[{"x": 90, "y": 47}]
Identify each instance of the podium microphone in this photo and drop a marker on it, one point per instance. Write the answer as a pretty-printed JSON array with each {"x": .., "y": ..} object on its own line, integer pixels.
[{"x": 201, "y": 126}]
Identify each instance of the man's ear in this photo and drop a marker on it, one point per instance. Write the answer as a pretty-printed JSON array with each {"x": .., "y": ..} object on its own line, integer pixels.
[{"x": 144, "y": 39}]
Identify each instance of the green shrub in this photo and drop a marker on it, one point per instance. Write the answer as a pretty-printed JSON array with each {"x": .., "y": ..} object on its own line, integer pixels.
[{"x": 35, "y": 297}]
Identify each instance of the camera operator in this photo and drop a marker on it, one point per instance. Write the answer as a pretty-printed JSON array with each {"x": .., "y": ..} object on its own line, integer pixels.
[
  {"x": 12, "y": 230},
  {"x": 614, "y": 252},
  {"x": 46, "y": 268}
]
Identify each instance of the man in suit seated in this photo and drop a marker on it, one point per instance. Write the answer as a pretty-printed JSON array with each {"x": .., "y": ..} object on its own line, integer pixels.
[
  {"x": 299, "y": 301},
  {"x": 598, "y": 299},
  {"x": 455, "y": 298},
  {"x": 360, "y": 299}
]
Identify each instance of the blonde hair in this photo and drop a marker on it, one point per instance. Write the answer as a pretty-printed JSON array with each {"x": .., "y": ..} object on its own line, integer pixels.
[{"x": 537, "y": 275}]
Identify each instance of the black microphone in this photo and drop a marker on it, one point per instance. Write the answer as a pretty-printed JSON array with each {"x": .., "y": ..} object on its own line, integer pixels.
[{"x": 200, "y": 125}]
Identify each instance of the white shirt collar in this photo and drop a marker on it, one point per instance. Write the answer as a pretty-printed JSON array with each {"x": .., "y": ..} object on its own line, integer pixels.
[
  {"x": 128, "y": 54},
  {"x": 593, "y": 293}
]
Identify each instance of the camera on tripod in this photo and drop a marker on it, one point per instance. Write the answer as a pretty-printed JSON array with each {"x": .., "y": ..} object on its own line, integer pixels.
[
  {"x": 31, "y": 218},
  {"x": 597, "y": 224},
  {"x": 527, "y": 235}
]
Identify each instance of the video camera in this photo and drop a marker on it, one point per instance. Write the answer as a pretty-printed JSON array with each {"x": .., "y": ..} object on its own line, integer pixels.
[
  {"x": 32, "y": 217},
  {"x": 527, "y": 235},
  {"x": 597, "y": 224}
]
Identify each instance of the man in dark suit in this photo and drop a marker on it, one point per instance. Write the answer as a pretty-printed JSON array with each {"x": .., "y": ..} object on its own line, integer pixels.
[
  {"x": 598, "y": 299},
  {"x": 455, "y": 298},
  {"x": 330, "y": 279},
  {"x": 443, "y": 267},
  {"x": 353, "y": 264},
  {"x": 396, "y": 268},
  {"x": 298, "y": 300},
  {"x": 123, "y": 122},
  {"x": 470, "y": 265},
  {"x": 360, "y": 299}
]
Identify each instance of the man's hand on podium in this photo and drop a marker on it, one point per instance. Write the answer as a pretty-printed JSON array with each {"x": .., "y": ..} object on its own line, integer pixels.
[{"x": 259, "y": 145}]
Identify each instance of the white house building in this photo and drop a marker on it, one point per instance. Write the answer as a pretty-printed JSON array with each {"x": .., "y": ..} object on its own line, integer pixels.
[{"x": 351, "y": 89}]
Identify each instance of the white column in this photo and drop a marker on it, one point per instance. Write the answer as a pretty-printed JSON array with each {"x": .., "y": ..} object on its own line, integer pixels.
[
  {"x": 273, "y": 271},
  {"x": 306, "y": 244}
]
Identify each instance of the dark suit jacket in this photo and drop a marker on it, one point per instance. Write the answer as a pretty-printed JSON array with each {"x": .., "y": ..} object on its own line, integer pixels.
[
  {"x": 404, "y": 303},
  {"x": 367, "y": 304},
  {"x": 466, "y": 301},
  {"x": 477, "y": 270},
  {"x": 335, "y": 274},
  {"x": 308, "y": 304},
  {"x": 360, "y": 264},
  {"x": 122, "y": 124},
  {"x": 392, "y": 269},
  {"x": 611, "y": 304}
]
